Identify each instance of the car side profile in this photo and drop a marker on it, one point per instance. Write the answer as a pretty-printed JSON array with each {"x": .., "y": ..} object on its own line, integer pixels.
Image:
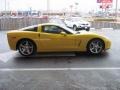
[
  {"x": 77, "y": 23},
  {"x": 50, "y": 37}
]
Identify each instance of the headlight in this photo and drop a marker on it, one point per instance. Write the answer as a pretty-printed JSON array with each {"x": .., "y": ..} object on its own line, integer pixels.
[
  {"x": 81, "y": 24},
  {"x": 89, "y": 24}
]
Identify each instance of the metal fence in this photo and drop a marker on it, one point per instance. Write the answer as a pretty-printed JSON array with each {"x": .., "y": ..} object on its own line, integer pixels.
[
  {"x": 17, "y": 23},
  {"x": 103, "y": 24}
]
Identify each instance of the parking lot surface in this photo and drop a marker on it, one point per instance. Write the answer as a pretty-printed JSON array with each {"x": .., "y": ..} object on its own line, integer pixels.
[{"x": 61, "y": 71}]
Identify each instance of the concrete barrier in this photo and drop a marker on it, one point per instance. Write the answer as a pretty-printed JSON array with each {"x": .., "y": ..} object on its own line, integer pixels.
[{"x": 102, "y": 24}]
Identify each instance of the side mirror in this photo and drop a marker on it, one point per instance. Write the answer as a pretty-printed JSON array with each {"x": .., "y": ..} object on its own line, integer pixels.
[{"x": 63, "y": 33}]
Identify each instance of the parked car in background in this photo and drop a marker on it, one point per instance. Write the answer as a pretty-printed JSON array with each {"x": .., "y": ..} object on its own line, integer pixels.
[{"x": 77, "y": 23}]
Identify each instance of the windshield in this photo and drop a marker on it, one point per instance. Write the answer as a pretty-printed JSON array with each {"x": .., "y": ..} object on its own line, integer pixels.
[
  {"x": 77, "y": 19},
  {"x": 68, "y": 29}
]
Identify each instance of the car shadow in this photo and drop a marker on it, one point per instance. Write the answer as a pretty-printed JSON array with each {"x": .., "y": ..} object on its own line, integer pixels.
[
  {"x": 55, "y": 61},
  {"x": 70, "y": 57}
]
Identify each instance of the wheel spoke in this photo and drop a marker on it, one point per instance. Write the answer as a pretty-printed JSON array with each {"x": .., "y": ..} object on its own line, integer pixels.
[
  {"x": 23, "y": 49},
  {"x": 22, "y": 46},
  {"x": 28, "y": 51},
  {"x": 91, "y": 49},
  {"x": 96, "y": 50},
  {"x": 99, "y": 47},
  {"x": 93, "y": 44},
  {"x": 97, "y": 43}
]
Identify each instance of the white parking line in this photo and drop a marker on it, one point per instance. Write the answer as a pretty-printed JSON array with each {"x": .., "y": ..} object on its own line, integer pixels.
[
  {"x": 4, "y": 57},
  {"x": 56, "y": 69}
]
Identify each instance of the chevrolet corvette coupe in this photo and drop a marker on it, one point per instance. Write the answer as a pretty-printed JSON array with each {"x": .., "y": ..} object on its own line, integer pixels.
[{"x": 50, "y": 37}]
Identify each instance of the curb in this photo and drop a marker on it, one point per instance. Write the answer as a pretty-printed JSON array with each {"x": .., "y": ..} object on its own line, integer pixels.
[
  {"x": 102, "y": 29},
  {"x": 106, "y": 28},
  {"x": 92, "y": 28}
]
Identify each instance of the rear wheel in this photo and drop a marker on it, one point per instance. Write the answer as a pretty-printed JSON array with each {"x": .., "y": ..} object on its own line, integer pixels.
[
  {"x": 26, "y": 47},
  {"x": 95, "y": 46},
  {"x": 74, "y": 27}
]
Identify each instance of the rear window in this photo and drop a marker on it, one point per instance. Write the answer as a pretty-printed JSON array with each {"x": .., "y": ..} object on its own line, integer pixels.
[{"x": 34, "y": 29}]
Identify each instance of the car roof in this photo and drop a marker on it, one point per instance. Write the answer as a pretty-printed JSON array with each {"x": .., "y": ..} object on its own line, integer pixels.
[
  {"x": 50, "y": 24},
  {"x": 32, "y": 26}
]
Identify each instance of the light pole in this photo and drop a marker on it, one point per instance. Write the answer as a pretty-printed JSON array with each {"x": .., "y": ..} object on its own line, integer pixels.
[
  {"x": 71, "y": 7},
  {"x": 5, "y": 8},
  {"x": 48, "y": 6},
  {"x": 116, "y": 10},
  {"x": 76, "y": 4}
]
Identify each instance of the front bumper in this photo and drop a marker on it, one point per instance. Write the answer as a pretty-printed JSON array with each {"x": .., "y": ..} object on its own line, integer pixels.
[
  {"x": 85, "y": 27},
  {"x": 107, "y": 45}
]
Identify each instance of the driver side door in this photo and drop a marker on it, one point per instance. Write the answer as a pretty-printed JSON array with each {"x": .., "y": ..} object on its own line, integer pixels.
[{"x": 51, "y": 39}]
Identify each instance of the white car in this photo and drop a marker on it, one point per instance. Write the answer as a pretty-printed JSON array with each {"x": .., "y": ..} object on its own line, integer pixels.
[{"x": 77, "y": 23}]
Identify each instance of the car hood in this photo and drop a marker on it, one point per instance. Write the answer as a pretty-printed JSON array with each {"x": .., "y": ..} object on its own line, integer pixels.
[
  {"x": 82, "y": 22},
  {"x": 86, "y": 32},
  {"x": 92, "y": 34}
]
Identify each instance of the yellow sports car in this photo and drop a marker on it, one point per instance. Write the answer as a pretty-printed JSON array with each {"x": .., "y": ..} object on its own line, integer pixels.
[{"x": 50, "y": 37}]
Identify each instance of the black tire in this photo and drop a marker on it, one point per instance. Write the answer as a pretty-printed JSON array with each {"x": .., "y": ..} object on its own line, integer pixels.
[
  {"x": 26, "y": 47},
  {"x": 88, "y": 29},
  {"x": 95, "y": 46},
  {"x": 74, "y": 27}
]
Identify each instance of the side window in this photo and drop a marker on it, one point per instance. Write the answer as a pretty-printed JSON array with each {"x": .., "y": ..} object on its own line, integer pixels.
[
  {"x": 51, "y": 29},
  {"x": 34, "y": 29}
]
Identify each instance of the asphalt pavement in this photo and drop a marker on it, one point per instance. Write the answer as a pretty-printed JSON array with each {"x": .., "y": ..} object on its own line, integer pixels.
[
  {"x": 12, "y": 59},
  {"x": 61, "y": 71}
]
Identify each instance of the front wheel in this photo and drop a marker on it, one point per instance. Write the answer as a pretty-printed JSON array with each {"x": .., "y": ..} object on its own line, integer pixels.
[
  {"x": 26, "y": 47},
  {"x": 95, "y": 46},
  {"x": 88, "y": 29}
]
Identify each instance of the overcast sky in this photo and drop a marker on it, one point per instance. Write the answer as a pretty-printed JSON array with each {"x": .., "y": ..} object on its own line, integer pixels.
[{"x": 84, "y": 5}]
